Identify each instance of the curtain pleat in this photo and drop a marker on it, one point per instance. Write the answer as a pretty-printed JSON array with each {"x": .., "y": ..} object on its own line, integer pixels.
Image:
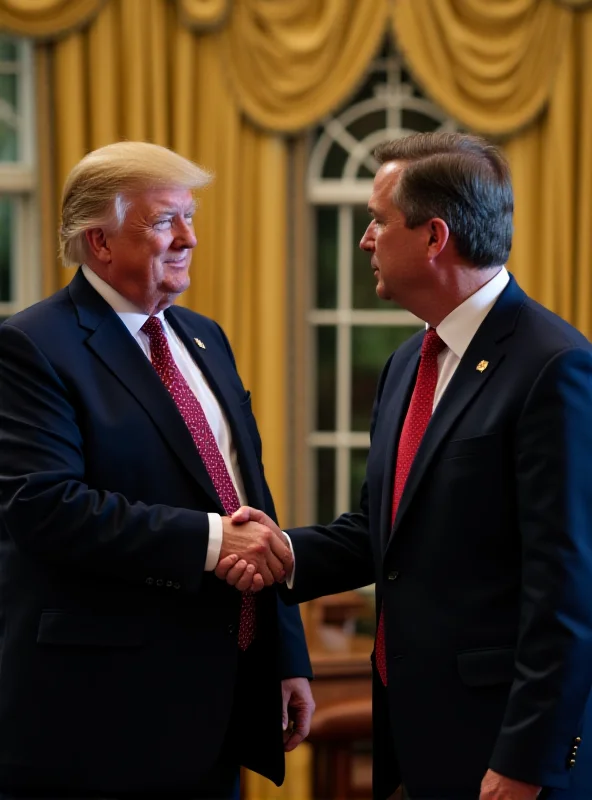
[{"x": 46, "y": 18}]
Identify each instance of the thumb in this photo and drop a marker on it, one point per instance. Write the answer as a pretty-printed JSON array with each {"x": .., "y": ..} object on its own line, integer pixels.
[{"x": 243, "y": 514}]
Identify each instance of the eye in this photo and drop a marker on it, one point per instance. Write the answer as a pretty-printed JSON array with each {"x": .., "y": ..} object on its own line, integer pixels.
[
  {"x": 163, "y": 224},
  {"x": 189, "y": 218}
]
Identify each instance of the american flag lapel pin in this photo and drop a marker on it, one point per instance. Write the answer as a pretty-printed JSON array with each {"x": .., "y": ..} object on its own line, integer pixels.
[{"x": 482, "y": 366}]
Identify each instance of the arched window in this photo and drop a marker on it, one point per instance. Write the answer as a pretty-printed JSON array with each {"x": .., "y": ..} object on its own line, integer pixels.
[{"x": 352, "y": 331}]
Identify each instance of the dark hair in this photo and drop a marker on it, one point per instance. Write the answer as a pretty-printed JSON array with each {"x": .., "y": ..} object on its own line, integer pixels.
[{"x": 464, "y": 180}]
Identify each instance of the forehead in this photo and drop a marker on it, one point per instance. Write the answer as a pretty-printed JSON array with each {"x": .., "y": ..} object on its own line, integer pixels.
[
  {"x": 154, "y": 200},
  {"x": 385, "y": 181}
]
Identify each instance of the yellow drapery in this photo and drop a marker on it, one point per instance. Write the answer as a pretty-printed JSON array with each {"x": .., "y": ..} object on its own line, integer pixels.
[{"x": 41, "y": 18}]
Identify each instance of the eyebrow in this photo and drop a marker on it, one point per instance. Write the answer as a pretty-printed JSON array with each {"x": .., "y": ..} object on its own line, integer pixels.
[{"x": 175, "y": 210}]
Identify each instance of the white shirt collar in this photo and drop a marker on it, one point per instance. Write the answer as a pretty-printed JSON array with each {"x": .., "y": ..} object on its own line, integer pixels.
[
  {"x": 128, "y": 313},
  {"x": 458, "y": 328}
]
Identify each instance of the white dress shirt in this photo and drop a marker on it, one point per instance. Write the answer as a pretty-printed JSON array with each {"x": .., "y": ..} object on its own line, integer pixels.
[
  {"x": 458, "y": 328},
  {"x": 133, "y": 319}
]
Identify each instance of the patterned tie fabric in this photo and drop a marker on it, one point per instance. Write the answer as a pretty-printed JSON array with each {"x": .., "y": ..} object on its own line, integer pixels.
[
  {"x": 416, "y": 422},
  {"x": 207, "y": 447}
]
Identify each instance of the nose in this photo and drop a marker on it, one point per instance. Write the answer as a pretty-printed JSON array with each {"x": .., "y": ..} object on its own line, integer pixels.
[
  {"x": 185, "y": 238},
  {"x": 367, "y": 240}
]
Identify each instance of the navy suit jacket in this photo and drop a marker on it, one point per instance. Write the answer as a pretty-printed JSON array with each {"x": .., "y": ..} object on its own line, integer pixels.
[
  {"x": 118, "y": 653},
  {"x": 486, "y": 574}
]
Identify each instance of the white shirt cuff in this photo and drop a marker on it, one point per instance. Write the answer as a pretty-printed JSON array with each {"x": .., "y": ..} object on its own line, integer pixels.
[
  {"x": 290, "y": 578},
  {"x": 214, "y": 542}
]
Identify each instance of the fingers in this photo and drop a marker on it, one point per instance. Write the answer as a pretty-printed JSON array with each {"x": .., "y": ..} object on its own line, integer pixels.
[
  {"x": 281, "y": 550},
  {"x": 224, "y": 565},
  {"x": 293, "y": 738},
  {"x": 276, "y": 568},
  {"x": 240, "y": 574},
  {"x": 245, "y": 581}
]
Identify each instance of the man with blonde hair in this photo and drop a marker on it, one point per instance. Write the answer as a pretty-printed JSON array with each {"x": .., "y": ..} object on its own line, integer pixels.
[{"x": 127, "y": 440}]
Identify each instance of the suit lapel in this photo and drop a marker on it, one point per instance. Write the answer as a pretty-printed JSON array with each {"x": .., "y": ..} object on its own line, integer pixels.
[
  {"x": 112, "y": 343},
  {"x": 490, "y": 344},
  {"x": 217, "y": 377}
]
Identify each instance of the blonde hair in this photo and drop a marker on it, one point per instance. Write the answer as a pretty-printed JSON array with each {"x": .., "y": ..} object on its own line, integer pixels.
[{"x": 96, "y": 192}]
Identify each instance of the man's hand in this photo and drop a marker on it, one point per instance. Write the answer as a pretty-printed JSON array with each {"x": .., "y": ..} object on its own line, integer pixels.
[
  {"x": 298, "y": 707},
  {"x": 497, "y": 787},
  {"x": 261, "y": 547},
  {"x": 239, "y": 574}
]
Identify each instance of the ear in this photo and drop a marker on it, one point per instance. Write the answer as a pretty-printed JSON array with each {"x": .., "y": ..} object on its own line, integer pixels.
[
  {"x": 96, "y": 240},
  {"x": 439, "y": 233}
]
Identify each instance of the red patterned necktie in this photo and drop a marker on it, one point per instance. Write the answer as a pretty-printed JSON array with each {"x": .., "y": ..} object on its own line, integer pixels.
[
  {"x": 207, "y": 447},
  {"x": 416, "y": 421}
]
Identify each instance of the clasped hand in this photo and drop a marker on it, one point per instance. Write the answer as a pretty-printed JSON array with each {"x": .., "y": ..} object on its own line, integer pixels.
[{"x": 254, "y": 553}]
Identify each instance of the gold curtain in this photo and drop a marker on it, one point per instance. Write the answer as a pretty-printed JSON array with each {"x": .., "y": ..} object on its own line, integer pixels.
[{"x": 42, "y": 18}]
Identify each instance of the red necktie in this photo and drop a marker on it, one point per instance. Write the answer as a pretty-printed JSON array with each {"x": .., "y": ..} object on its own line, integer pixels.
[
  {"x": 416, "y": 422},
  {"x": 207, "y": 447}
]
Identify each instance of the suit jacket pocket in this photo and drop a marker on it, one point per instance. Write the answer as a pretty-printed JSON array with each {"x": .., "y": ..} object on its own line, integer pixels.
[
  {"x": 66, "y": 628},
  {"x": 486, "y": 667},
  {"x": 473, "y": 446}
]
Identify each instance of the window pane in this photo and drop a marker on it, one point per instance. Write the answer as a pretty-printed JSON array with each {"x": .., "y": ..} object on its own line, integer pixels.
[
  {"x": 416, "y": 121},
  {"x": 364, "y": 283},
  {"x": 7, "y": 226},
  {"x": 371, "y": 346},
  {"x": 8, "y": 143},
  {"x": 335, "y": 162},
  {"x": 326, "y": 377},
  {"x": 8, "y": 90},
  {"x": 325, "y": 485},
  {"x": 369, "y": 123},
  {"x": 326, "y": 229},
  {"x": 8, "y": 49},
  {"x": 357, "y": 474}
]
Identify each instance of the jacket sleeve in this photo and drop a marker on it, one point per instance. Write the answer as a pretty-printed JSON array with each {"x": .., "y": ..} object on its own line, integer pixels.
[
  {"x": 553, "y": 667},
  {"x": 49, "y": 511}
]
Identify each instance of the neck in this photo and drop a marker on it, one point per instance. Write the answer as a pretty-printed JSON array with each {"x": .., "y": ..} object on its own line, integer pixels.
[{"x": 452, "y": 288}]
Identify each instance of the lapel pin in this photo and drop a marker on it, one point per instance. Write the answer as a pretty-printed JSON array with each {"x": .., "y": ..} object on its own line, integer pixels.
[
  {"x": 482, "y": 366},
  {"x": 199, "y": 343}
]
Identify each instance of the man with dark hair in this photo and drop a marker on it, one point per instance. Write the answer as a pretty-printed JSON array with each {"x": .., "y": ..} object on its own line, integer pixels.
[{"x": 475, "y": 519}]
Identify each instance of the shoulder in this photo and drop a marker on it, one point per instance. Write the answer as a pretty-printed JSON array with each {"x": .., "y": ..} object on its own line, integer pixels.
[{"x": 547, "y": 332}]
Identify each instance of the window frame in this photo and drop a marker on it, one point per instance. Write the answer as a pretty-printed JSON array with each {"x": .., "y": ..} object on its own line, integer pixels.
[{"x": 18, "y": 181}]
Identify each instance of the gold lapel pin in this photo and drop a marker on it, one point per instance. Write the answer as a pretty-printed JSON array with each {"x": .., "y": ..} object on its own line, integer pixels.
[
  {"x": 199, "y": 343},
  {"x": 482, "y": 366}
]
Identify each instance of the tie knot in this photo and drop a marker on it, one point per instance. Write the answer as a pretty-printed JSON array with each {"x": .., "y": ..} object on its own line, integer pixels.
[
  {"x": 152, "y": 327},
  {"x": 432, "y": 345}
]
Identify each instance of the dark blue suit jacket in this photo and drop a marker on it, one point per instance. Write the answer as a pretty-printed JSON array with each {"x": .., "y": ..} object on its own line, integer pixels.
[
  {"x": 118, "y": 653},
  {"x": 486, "y": 575}
]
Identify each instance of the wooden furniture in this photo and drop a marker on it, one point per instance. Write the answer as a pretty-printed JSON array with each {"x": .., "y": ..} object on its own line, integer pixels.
[{"x": 341, "y": 734}]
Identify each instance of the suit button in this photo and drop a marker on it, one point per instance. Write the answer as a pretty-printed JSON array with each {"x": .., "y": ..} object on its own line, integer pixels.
[
  {"x": 231, "y": 629},
  {"x": 578, "y": 739},
  {"x": 392, "y": 576},
  {"x": 169, "y": 584},
  {"x": 149, "y": 581},
  {"x": 159, "y": 582},
  {"x": 572, "y": 763}
]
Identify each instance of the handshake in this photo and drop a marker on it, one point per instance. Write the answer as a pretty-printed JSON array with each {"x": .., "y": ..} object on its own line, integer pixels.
[{"x": 254, "y": 553}]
